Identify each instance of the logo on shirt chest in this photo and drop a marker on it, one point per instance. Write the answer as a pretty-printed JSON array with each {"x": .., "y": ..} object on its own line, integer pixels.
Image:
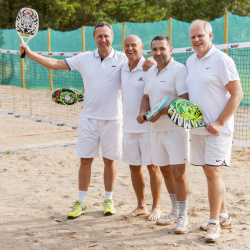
[{"x": 140, "y": 79}]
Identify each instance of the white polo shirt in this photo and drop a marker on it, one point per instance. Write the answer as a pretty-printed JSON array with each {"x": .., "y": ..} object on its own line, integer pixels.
[
  {"x": 102, "y": 83},
  {"x": 171, "y": 82},
  {"x": 206, "y": 81},
  {"x": 133, "y": 84}
]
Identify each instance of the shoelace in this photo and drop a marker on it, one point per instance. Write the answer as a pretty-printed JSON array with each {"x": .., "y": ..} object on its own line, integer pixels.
[
  {"x": 181, "y": 222},
  {"x": 108, "y": 204},
  {"x": 76, "y": 205},
  {"x": 171, "y": 215},
  {"x": 212, "y": 228}
]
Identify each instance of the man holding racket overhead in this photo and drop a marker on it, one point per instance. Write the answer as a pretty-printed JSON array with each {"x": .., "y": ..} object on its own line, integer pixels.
[
  {"x": 136, "y": 138},
  {"x": 169, "y": 143},
  {"x": 214, "y": 85},
  {"x": 100, "y": 122}
]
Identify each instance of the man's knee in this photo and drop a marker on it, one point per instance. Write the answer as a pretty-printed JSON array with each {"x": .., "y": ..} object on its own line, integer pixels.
[
  {"x": 178, "y": 172},
  {"x": 86, "y": 162},
  {"x": 166, "y": 170},
  {"x": 212, "y": 173},
  {"x": 108, "y": 163},
  {"x": 154, "y": 170}
]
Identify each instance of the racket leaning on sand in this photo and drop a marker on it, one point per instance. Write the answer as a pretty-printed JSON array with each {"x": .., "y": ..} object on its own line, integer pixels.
[
  {"x": 27, "y": 23},
  {"x": 156, "y": 109},
  {"x": 67, "y": 96},
  {"x": 186, "y": 114}
]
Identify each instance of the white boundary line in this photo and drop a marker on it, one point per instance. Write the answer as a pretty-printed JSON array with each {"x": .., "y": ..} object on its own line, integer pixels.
[
  {"x": 241, "y": 143},
  {"x": 34, "y": 119}
]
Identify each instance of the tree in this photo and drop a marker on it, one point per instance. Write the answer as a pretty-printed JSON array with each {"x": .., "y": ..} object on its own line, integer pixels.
[{"x": 71, "y": 14}]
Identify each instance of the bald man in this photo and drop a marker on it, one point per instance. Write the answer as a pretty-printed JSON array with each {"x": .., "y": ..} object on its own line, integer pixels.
[{"x": 135, "y": 145}]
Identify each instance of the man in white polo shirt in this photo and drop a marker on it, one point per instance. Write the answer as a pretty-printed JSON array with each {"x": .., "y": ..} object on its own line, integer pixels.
[
  {"x": 169, "y": 143},
  {"x": 214, "y": 85},
  {"x": 136, "y": 137},
  {"x": 100, "y": 121}
]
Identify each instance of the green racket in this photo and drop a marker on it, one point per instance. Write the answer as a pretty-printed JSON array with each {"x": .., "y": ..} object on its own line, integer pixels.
[
  {"x": 156, "y": 109},
  {"x": 67, "y": 96},
  {"x": 186, "y": 114}
]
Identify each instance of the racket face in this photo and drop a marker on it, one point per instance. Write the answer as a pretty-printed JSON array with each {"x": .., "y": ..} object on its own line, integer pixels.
[
  {"x": 27, "y": 24},
  {"x": 157, "y": 108},
  {"x": 185, "y": 114},
  {"x": 67, "y": 96}
]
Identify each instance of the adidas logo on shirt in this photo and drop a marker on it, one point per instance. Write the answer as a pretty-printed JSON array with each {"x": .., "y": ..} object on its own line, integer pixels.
[{"x": 140, "y": 79}]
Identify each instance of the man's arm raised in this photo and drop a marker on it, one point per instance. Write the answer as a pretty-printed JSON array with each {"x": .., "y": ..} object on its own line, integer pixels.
[{"x": 47, "y": 62}]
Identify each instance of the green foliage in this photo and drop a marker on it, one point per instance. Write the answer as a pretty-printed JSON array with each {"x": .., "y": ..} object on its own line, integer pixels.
[{"x": 71, "y": 14}]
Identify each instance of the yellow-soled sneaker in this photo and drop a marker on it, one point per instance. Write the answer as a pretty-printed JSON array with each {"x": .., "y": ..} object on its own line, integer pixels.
[
  {"x": 171, "y": 218},
  {"x": 182, "y": 226},
  {"x": 78, "y": 209},
  {"x": 108, "y": 207}
]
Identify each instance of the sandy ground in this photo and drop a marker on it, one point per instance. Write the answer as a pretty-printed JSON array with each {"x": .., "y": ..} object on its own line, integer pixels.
[{"x": 39, "y": 184}]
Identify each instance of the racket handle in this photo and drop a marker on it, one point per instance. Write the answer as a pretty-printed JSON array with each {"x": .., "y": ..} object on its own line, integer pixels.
[
  {"x": 23, "y": 55},
  {"x": 145, "y": 117}
]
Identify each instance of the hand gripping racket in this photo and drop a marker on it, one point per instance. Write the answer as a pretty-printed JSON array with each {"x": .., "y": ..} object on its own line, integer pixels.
[
  {"x": 186, "y": 114},
  {"x": 27, "y": 24},
  {"x": 67, "y": 96},
  {"x": 156, "y": 109}
]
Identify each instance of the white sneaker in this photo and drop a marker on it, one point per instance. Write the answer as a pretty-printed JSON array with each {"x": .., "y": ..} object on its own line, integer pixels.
[
  {"x": 213, "y": 233},
  {"x": 224, "y": 224},
  {"x": 171, "y": 218},
  {"x": 182, "y": 226}
]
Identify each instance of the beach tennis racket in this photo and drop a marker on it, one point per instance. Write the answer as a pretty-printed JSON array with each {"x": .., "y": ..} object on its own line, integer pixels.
[
  {"x": 156, "y": 109},
  {"x": 27, "y": 24},
  {"x": 186, "y": 114},
  {"x": 67, "y": 96}
]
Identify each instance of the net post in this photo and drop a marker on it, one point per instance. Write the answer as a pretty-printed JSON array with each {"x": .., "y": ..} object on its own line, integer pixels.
[
  {"x": 123, "y": 35},
  {"x": 83, "y": 39},
  {"x": 50, "y": 70},
  {"x": 226, "y": 29},
  {"x": 22, "y": 71},
  {"x": 170, "y": 28}
]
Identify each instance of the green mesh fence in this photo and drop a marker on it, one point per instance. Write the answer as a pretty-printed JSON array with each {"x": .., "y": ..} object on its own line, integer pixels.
[
  {"x": 71, "y": 41},
  {"x": 35, "y": 99}
]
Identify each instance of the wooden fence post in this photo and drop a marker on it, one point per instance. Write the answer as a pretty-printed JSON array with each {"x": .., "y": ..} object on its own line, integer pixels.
[
  {"x": 170, "y": 28},
  {"x": 226, "y": 29},
  {"x": 123, "y": 35},
  {"x": 83, "y": 39},
  {"x": 50, "y": 70}
]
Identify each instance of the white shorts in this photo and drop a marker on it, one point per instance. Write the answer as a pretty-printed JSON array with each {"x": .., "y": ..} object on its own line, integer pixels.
[
  {"x": 136, "y": 149},
  {"x": 212, "y": 150},
  {"x": 169, "y": 147},
  {"x": 92, "y": 133}
]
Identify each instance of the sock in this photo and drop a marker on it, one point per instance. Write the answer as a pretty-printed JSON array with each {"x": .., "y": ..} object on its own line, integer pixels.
[
  {"x": 225, "y": 216},
  {"x": 183, "y": 208},
  {"x": 217, "y": 222},
  {"x": 108, "y": 195},
  {"x": 173, "y": 200},
  {"x": 82, "y": 196}
]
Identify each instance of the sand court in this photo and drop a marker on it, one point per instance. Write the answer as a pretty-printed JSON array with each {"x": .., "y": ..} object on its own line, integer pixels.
[{"x": 39, "y": 184}]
